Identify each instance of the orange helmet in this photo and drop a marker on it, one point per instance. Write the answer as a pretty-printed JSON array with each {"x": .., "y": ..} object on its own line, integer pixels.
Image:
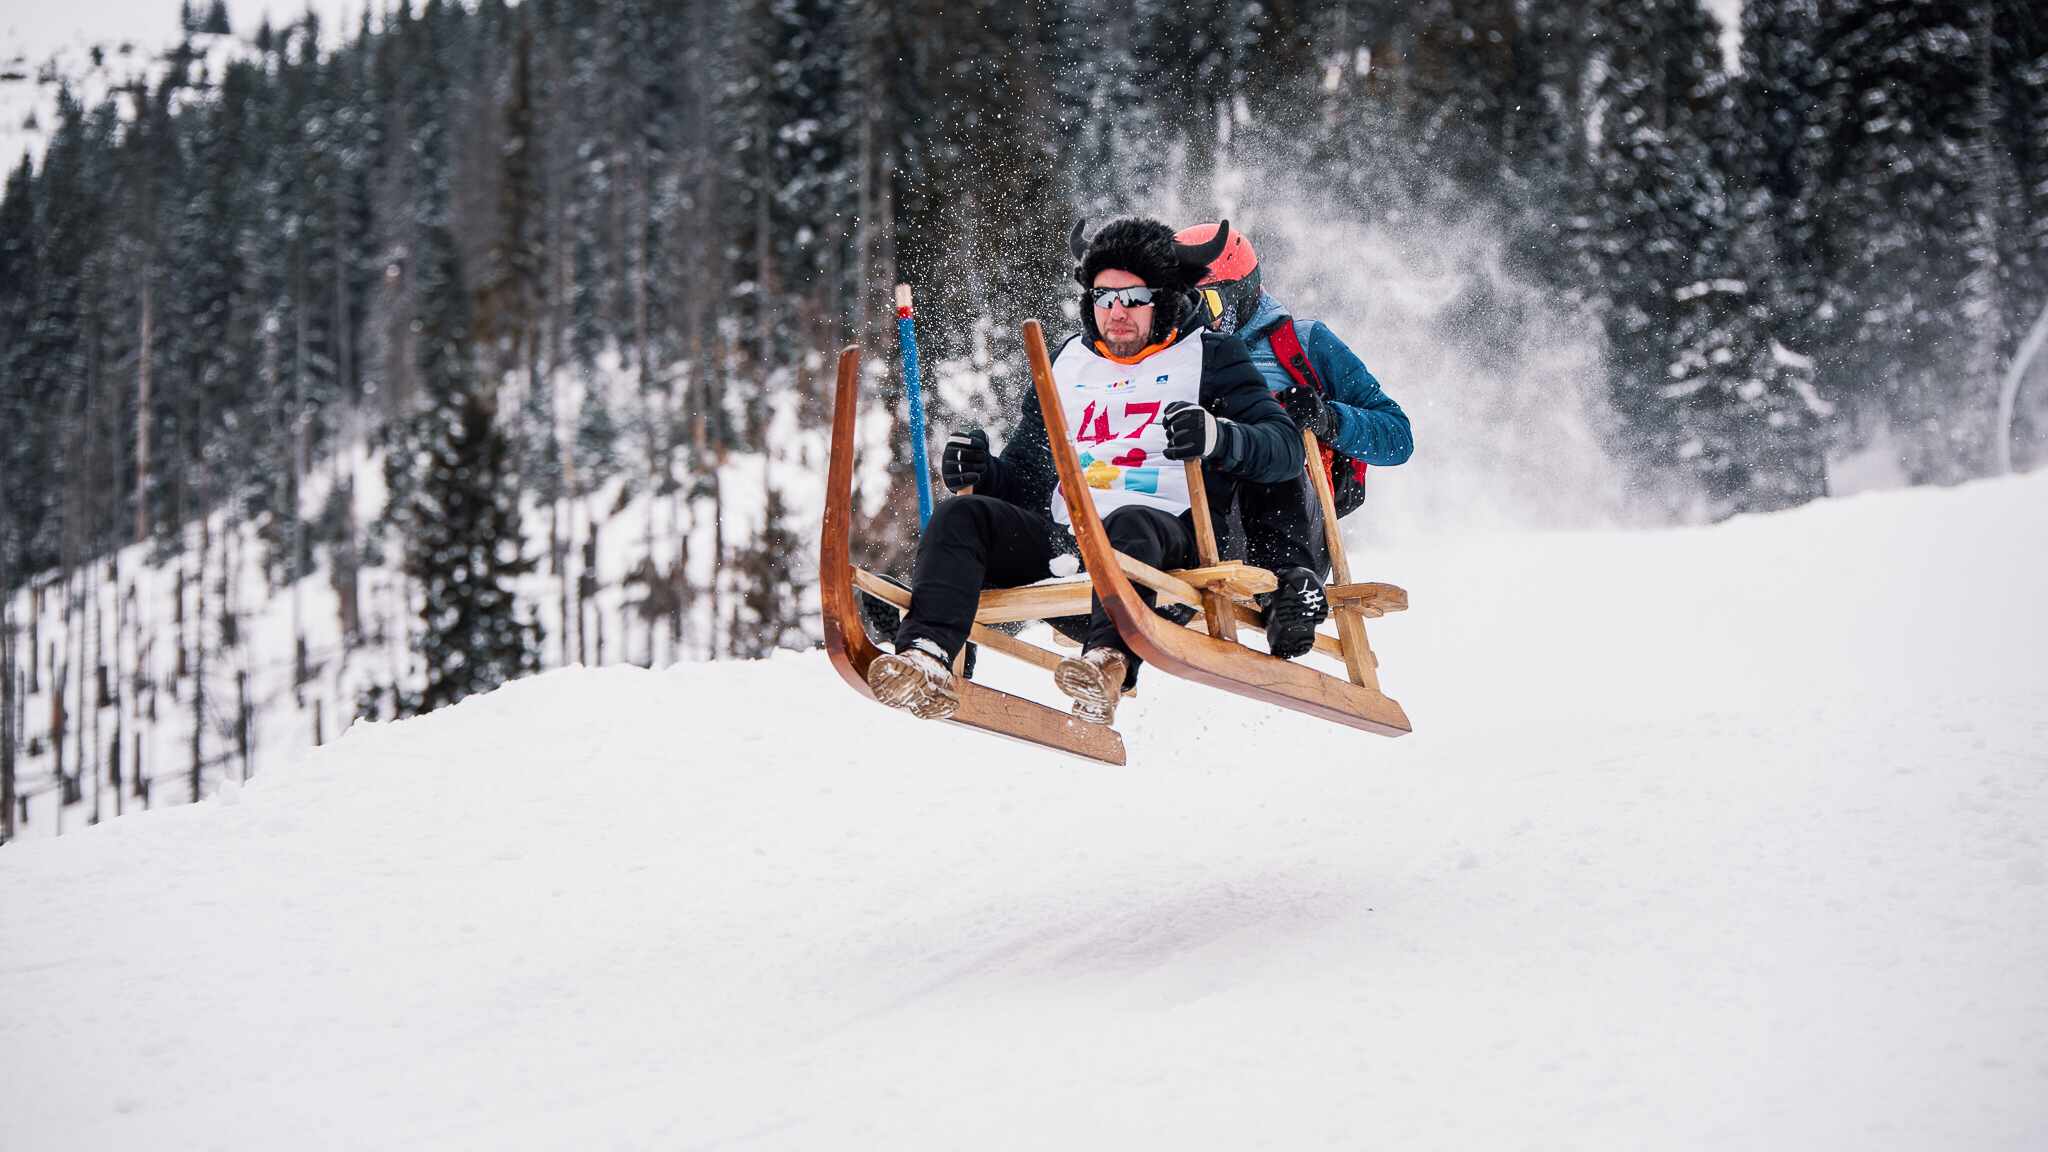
[{"x": 1230, "y": 291}]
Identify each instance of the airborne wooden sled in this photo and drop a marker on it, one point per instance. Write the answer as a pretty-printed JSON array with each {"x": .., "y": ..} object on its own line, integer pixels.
[{"x": 1222, "y": 590}]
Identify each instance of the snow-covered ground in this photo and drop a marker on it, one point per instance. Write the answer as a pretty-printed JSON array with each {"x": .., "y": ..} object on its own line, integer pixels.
[{"x": 1733, "y": 837}]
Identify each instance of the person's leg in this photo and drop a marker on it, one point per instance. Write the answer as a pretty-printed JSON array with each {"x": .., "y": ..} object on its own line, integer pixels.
[
  {"x": 1157, "y": 538},
  {"x": 1097, "y": 678},
  {"x": 971, "y": 543},
  {"x": 1284, "y": 533},
  {"x": 1283, "y": 527}
]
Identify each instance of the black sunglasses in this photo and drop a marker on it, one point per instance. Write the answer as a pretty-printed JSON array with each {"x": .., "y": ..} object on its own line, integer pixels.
[{"x": 1134, "y": 297}]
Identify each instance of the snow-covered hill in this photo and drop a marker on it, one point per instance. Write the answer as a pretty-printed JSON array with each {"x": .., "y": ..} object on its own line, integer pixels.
[
  {"x": 1727, "y": 837},
  {"x": 98, "y": 48}
]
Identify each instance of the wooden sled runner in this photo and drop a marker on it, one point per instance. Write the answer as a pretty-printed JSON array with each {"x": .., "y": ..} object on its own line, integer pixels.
[{"x": 1222, "y": 590}]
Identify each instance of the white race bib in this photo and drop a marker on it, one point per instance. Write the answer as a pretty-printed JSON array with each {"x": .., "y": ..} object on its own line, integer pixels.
[{"x": 1115, "y": 421}]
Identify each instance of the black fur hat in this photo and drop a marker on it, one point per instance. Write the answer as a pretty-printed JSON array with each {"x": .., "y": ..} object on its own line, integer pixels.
[{"x": 1146, "y": 249}]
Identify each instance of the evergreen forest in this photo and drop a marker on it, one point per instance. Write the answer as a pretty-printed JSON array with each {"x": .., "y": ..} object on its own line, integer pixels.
[{"x": 524, "y": 255}]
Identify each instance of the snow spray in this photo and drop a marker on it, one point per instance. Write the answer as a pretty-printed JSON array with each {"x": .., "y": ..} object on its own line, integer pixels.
[{"x": 1503, "y": 379}]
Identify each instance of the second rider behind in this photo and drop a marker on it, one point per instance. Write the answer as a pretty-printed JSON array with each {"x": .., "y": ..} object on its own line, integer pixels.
[{"x": 1328, "y": 391}]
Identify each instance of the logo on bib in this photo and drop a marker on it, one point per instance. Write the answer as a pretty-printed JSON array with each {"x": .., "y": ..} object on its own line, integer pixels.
[{"x": 1123, "y": 385}]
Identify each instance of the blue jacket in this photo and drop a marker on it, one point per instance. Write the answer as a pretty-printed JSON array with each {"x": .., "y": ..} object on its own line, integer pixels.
[{"x": 1370, "y": 426}]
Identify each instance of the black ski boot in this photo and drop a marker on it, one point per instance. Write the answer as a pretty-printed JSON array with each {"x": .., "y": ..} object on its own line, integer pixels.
[{"x": 1292, "y": 612}]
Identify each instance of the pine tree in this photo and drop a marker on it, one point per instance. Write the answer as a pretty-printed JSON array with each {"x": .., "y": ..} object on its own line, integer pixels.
[
  {"x": 20, "y": 407},
  {"x": 466, "y": 547},
  {"x": 1741, "y": 408},
  {"x": 1656, "y": 200},
  {"x": 1895, "y": 224},
  {"x": 1778, "y": 96},
  {"x": 769, "y": 615}
]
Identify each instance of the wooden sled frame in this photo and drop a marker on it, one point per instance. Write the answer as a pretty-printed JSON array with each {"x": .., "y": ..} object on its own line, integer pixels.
[
  {"x": 1222, "y": 590},
  {"x": 1216, "y": 659}
]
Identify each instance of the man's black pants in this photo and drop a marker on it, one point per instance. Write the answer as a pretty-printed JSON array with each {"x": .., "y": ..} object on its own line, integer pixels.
[
  {"x": 977, "y": 542},
  {"x": 1283, "y": 526}
]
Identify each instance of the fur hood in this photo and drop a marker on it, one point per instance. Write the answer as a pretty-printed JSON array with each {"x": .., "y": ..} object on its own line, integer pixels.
[{"x": 1146, "y": 249}]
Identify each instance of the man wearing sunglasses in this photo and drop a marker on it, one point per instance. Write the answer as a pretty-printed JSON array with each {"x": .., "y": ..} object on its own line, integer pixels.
[{"x": 1144, "y": 387}]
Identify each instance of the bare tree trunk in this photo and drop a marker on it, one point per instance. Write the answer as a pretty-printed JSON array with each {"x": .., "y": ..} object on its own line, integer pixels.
[
  {"x": 347, "y": 570},
  {"x": 243, "y": 734},
  {"x": 2009, "y": 388},
  {"x": 85, "y": 755},
  {"x": 60, "y": 723},
  {"x": 142, "y": 363},
  {"x": 298, "y": 537},
  {"x": 344, "y": 336},
  {"x": 558, "y": 558},
  {"x": 35, "y": 637},
  {"x": 198, "y": 770},
  {"x": 865, "y": 198},
  {"x": 121, "y": 623},
  {"x": 7, "y": 731},
  {"x": 100, "y": 688},
  {"x": 717, "y": 555}
]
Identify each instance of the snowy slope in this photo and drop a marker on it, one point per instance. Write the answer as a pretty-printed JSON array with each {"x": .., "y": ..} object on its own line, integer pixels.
[
  {"x": 1727, "y": 837},
  {"x": 98, "y": 47}
]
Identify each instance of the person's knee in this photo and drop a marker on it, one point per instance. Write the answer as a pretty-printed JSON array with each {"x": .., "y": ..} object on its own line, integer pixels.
[
  {"x": 1139, "y": 533},
  {"x": 1125, "y": 524},
  {"x": 961, "y": 517}
]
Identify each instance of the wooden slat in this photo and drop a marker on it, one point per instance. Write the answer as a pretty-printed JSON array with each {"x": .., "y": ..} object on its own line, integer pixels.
[
  {"x": 1034, "y": 602},
  {"x": 1215, "y": 601},
  {"x": 1359, "y": 661},
  {"x": 1010, "y": 646},
  {"x": 1374, "y": 600},
  {"x": 1165, "y": 583},
  {"x": 1240, "y": 580},
  {"x": 880, "y": 589}
]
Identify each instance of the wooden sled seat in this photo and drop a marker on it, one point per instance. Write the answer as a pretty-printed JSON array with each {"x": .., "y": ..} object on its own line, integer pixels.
[{"x": 1051, "y": 599}]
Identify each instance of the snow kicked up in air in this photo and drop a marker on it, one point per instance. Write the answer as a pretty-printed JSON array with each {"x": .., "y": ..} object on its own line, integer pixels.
[{"x": 1707, "y": 838}]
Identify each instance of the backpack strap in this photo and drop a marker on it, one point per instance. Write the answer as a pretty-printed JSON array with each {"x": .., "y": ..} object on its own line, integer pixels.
[{"x": 1288, "y": 350}]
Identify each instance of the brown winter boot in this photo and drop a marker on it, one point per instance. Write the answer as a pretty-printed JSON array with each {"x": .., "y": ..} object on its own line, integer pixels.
[
  {"x": 915, "y": 681},
  {"x": 1095, "y": 680}
]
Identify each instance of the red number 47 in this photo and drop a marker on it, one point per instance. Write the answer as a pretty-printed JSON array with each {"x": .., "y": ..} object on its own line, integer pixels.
[{"x": 1095, "y": 422}]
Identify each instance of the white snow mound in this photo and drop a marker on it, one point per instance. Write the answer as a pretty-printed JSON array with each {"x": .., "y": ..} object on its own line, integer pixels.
[{"x": 1720, "y": 838}]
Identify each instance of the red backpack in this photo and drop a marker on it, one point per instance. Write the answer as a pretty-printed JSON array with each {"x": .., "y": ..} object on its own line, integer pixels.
[{"x": 1347, "y": 485}]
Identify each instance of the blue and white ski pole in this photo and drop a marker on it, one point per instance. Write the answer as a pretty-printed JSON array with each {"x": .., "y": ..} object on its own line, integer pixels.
[{"x": 906, "y": 335}]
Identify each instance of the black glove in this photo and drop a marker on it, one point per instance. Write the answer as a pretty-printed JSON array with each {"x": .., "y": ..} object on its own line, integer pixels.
[
  {"x": 1191, "y": 432},
  {"x": 964, "y": 463},
  {"x": 1309, "y": 411}
]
